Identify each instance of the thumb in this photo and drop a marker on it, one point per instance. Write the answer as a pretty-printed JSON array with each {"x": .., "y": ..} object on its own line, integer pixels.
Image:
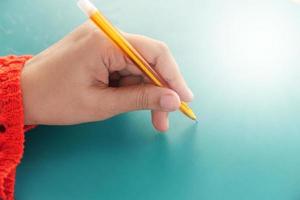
[{"x": 142, "y": 97}]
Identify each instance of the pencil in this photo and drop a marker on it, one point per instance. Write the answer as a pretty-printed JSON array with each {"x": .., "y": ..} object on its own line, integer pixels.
[{"x": 111, "y": 32}]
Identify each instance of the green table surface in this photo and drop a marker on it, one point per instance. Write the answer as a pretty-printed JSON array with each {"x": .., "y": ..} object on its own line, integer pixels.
[{"x": 240, "y": 57}]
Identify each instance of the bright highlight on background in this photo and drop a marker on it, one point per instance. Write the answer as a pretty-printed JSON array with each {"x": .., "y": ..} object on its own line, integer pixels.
[
  {"x": 257, "y": 46},
  {"x": 296, "y": 1},
  {"x": 256, "y": 40}
]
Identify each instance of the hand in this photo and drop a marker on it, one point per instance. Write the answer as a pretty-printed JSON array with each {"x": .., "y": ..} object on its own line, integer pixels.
[{"x": 85, "y": 77}]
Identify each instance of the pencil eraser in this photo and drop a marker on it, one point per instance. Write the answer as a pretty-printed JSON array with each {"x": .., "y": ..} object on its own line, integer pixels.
[{"x": 87, "y": 7}]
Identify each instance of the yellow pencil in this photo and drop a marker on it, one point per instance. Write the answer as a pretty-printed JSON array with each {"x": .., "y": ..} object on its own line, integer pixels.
[{"x": 94, "y": 14}]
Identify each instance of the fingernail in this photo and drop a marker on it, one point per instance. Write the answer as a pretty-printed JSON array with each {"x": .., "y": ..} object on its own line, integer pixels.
[
  {"x": 169, "y": 102},
  {"x": 190, "y": 94}
]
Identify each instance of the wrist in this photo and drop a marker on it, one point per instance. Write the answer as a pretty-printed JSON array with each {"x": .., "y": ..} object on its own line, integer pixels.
[{"x": 26, "y": 88}]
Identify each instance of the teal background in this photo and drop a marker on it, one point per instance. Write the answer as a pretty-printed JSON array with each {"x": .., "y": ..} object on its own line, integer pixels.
[{"x": 241, "y": 59}]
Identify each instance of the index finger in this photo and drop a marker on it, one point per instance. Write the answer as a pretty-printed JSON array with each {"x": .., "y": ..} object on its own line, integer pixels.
[{"x": 160, "y": 57}]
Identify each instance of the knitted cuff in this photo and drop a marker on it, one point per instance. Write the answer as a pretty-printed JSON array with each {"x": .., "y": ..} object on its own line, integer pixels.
[{"x": 11, "y": 122}]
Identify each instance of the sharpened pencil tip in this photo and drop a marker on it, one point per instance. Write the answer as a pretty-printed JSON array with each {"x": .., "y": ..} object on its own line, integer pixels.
[
  {"x": 185, "y": 109},
  {"x": 192, "y": 116}
]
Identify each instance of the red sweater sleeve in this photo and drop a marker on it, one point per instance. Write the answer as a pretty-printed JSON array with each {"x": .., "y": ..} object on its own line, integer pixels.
[{"x": 11, "y": 122}]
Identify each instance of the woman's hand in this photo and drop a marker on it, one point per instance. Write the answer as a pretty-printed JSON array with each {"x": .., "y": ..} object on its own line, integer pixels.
[{"x": 85, "y": 77}]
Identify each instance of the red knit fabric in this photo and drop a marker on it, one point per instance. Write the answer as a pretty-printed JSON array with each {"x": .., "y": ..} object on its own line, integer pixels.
[{"x": 11, "y": 122}]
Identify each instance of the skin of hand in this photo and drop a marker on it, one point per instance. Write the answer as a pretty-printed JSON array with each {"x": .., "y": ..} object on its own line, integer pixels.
[{"x": 84, "y": 77}]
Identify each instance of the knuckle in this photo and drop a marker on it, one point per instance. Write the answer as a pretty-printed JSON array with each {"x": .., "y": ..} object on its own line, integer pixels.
[
  {"x": 142, "y": 98},
  {"x": 94, "y": 38},
  {"x": 163, "y": 47},
  {"x": 93, "y": 35},
  {"x": 171, "y": 79}
]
